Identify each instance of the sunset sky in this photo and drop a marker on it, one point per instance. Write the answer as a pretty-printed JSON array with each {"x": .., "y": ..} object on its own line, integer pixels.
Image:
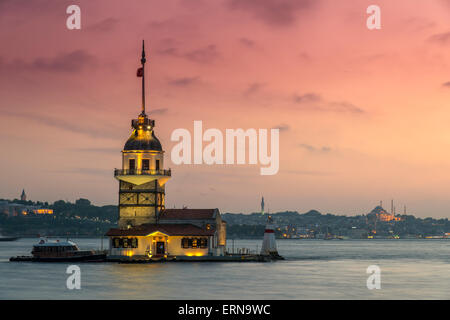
[{"x": 364, "y": 115}]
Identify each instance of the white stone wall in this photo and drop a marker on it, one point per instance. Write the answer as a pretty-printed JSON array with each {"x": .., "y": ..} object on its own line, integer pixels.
[
  {"x": 172, "y": 246},
  {"x": 143, "y": 244},
  {"x": 175, "y": 248}
]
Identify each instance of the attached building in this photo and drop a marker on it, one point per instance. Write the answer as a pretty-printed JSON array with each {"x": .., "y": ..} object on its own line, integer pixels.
[{"x": 180, "y": 232}]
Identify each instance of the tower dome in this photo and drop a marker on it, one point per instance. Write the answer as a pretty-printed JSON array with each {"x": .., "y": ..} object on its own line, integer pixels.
[{"x": 143, "y": 137}]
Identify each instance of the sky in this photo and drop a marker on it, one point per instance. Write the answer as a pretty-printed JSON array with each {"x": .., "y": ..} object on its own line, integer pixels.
[{"x": 363, "y": 114}]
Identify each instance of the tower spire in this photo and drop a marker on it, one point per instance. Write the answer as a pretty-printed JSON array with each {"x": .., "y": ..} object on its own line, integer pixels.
[{"x": 142, "y": 74}]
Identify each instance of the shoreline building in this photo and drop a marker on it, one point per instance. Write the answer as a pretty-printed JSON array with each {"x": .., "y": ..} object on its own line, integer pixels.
[{"x": 146, "y": 228}]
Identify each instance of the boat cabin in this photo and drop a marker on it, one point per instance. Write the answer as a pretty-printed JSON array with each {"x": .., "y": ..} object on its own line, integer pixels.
[{"x": 46, "y": 249}]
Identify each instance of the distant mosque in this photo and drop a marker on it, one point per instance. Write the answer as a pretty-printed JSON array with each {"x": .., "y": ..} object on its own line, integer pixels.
[
  {"x": 146, "y": 229},
  {"x": 379, "y": 213}
]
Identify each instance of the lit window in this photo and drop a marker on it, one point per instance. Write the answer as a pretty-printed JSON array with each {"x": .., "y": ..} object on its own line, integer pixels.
[
  {"x": 125, "y": 242},
  {"x": 132, "y": 164},
  {"x": 145, "y": 164},
  {"x": 194, "y": 243}
]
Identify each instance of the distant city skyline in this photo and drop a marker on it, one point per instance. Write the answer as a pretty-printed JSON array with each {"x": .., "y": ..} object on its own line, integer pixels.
[
  {"x": 391, "y": 212},
  {"x": 363, "y": 115}
]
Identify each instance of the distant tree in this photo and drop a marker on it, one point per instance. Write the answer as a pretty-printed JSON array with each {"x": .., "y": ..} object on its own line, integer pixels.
[{"x": 83, "y": 202}]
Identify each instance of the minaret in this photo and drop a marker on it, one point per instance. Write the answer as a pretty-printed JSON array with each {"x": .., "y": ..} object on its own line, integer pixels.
[
  {"x": 142, "y": 177},
  {"x": 262, "y": 206}
]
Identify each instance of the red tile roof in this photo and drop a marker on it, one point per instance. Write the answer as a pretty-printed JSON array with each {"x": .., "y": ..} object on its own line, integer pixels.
[
  {"x": 189, "y": 214},
  {"x": 169, "y": 229}
]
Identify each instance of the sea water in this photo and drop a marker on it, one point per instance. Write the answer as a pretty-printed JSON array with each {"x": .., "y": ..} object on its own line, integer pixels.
[{"x": 313, "y": 269}]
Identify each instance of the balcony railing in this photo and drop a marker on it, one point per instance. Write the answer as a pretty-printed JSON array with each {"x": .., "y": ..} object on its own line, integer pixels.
[{"x": 135, "y": 172}]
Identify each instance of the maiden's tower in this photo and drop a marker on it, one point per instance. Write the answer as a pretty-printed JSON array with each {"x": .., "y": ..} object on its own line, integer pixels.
[{"x": 146, "y": 230}]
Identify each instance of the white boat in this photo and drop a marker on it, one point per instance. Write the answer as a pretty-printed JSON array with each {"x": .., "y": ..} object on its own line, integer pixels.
[{"x": 60, "y": 251}]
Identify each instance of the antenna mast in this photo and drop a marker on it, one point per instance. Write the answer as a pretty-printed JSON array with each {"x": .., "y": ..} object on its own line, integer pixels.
[{"x": 143, "y": 60}]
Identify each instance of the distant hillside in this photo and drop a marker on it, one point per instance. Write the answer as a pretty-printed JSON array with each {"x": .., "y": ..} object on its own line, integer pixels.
[
  {"x": 290, "y": 217},
  {"x": 313, "y": 224},
  {"x": 84, "y": 219},
  {"x": 80, "y": 218}
]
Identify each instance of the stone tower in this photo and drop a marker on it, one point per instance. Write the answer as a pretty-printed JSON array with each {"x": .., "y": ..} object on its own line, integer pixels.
[
  {"x": 142, "y": 177},
  {"x": 23, "y": 196}
]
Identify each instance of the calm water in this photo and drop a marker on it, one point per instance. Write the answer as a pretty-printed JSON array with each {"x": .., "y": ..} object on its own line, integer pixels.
[{"x": 314, "y": 269}]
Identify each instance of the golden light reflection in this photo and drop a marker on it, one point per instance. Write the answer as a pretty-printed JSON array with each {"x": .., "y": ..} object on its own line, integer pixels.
[{"x": 195, "y": 254}]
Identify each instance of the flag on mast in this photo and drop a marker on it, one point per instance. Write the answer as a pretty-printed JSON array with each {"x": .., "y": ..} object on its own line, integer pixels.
[{"x": 140, "y": 72}]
